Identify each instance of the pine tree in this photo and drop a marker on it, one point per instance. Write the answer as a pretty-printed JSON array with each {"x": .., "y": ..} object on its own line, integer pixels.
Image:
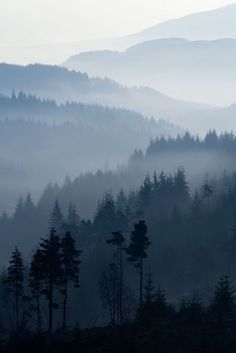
[
  {"x": 29, "y": 206},
  {"x": 70, "y": 268},
  {"x": 72, "y": 222},
  {"x": 207, "y": 192},
  {"x": 181, "y": 188},
  {"x": 121, "y": 202},
  {"x": 52, "y": 271},
  {"x": 18, "y": 214},
  {"x": 144, "y": 195},
  {"x": 118, "y": 241},
  {"x": 145, "y": 313},
  {"x": 36, "y": 276},
  {"x": 194, "y": 308},
  {"x": 232, "y": 248},
  {"x": 160, "y": 303},
  {"x": 136, "y": 252},
  {"x": 223, "y": 305},
  {"x": 196, "y": 207},
  {"x": 14, "y": 281},
  {"x": 149, "y": 294},
  {"x": 56, "y": 219},
  {"x": 72, "y": 217},
  {"x": 105, "y": 218}
]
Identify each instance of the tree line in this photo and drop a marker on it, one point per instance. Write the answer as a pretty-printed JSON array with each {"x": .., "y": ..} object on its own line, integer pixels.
[{"x": 191, "y": 234}]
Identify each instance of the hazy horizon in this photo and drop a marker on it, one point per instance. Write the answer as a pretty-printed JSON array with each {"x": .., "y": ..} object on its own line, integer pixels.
[{"x": 85, "y": 20}]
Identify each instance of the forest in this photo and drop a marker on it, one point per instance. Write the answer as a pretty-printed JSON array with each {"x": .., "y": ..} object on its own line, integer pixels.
[
  {"x": 152, "y": 267},
  {"x": 50, "y": 141},
  {"x": 117, "y": 176}
]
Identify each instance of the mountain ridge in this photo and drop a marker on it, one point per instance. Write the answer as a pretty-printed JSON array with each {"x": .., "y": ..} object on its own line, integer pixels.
[
  {"x": 201, "y": 71},
  {"x": 57, "y": 53}
]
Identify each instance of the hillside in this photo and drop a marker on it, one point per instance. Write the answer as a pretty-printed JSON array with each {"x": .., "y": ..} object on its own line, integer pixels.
[
  {"x": 62, "y": 85},
  {"x": 202, "y": 71},
  {"x": 42, "y": 141},
  {"x": 207, "y": 25}
]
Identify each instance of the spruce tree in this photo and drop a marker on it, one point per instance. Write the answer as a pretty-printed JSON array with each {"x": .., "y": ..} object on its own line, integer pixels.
[
  {"x": 223, "y": 305},
  {"x": 160, "y": 303},
  {"x": 144, "y": 194},
  {"x": 36, "y": 276},
  {"x": 118, "y": 240},
  {"x": 72, "y": 222},
  {"x": 181, "y": 189},
  {"x": 52, "y": 270},
  {"x": 121, "y": 202},
  {"x": 73, "y": 217},
  {"x": 149, "y": 289},
  {"x": 194, "y": 308},
  {"x": 145, "y": 313},
  {"x": 14, "y": 281},
  {"x": 136, "y": 252},
  {"x": 196, "y": 206},
  {"x": 207, "y": 192},
  {"x": 70, "y": 268},
  {"x": 56, "y": 219}
]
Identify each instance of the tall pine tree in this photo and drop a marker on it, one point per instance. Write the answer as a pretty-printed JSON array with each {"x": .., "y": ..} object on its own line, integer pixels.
[
  {"x": 36, "y": 276},
  {"x": 137, "y": 252},
  {"x": 118, "y": 240},
  {"x": 14, "y": 280},
  {"x": 52, "y": 271},
  {"x": 70, "y": 269}
]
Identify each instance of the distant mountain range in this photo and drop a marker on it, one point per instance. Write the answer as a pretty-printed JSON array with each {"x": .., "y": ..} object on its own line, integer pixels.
[
  {"x": 203, "y": 71},
  {"x": 208, "y": 25},
  {"x": 63, "y": 85},
  {"x": 42, "y": 141}
]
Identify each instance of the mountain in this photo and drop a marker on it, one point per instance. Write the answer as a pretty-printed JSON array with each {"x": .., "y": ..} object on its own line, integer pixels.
[
  {"x": 203, "y": 71},
  {"x": 62, "y": 85},
  {"x": 41, "y": 141},
  {"x": 208, "y": 25}
]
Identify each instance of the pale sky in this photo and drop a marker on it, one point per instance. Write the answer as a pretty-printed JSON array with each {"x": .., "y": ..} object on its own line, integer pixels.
[{"x": 34, "y": 22}]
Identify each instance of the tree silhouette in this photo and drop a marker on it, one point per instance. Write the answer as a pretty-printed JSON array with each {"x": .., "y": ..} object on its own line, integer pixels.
[
  {"x": 72, "y": 223},
  {"x": 149, "y": 289},
  {"x": 14, "y": 280},
  {"x": 207, "y": 192},
  {"x": 118, "y": 240},
  {"x": 223, "y": 305},
  {"x": 136, "y": 252},
  {"x": 56, "y": 219},
  {"x": 144, "y": 195},
  {"x": 191, "y": 309},
  {"x": 145, "y": 313},
  {"x": 121, "y": 202},
  {"x": 109, "y": 292},
  {"x": 36, "y": 276},
  {"x": 72, "y": 217},
  {"x": 52, "y": 271},
  {"x": 70, "y": 268}
]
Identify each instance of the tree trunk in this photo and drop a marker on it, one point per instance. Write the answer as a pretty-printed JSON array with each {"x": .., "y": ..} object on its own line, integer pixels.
[
  {"x": 38, "y": 312},
  {"x": 121, "y": 288},
  {"x": 141, "y": 282},
  {"x": 50, "y": 307},
  {"x": 65, "y": 304},
  {"x": 17, "y": 312}
]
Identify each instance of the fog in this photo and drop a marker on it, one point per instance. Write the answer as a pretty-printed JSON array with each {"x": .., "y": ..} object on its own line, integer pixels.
[
  {"x": 201, "y": 71},
  {"x": 117, "y": 157}
]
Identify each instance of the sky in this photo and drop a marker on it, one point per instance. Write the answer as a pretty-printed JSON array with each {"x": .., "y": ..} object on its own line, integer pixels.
[{"x": 36, "y": 22}]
